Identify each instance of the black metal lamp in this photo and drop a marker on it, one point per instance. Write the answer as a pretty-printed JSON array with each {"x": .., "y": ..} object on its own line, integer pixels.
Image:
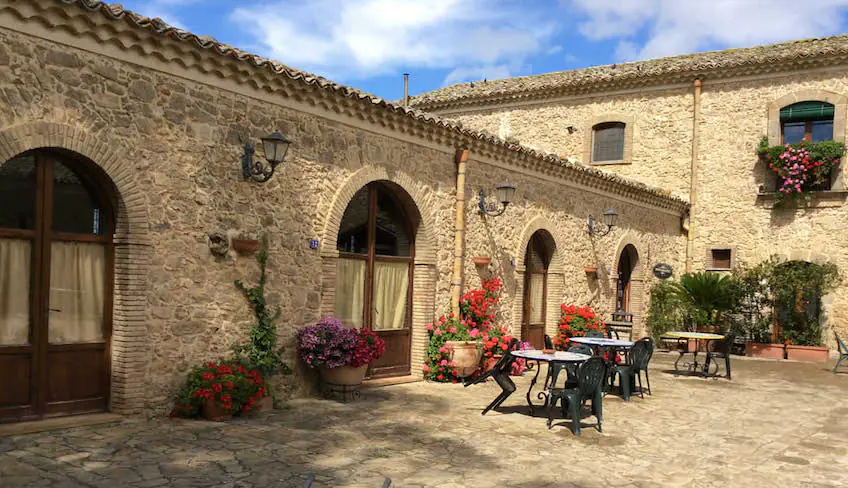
[
  {"x": 610, "y": 217},
  {"x": 503, "y": 193},
  {"x": 275, "y": 146}
]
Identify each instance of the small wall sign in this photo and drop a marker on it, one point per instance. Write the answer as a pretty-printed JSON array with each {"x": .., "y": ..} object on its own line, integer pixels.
[
  {"x": 663, "y": 271},
  {"x": 313, "y": 243}
]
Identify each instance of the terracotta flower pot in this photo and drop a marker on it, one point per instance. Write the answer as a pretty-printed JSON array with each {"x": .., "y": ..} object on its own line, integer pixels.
[
  {"x": 465, "y": 356},
  {"x": 481, "y": 261},
  {"x": 265, "y": 404},
  {"x": 758, "y": 350},
  {"x": 213, "y": 411},
  {"x": 590, "y": 270},
  {"x": 813, "y": 354},
  {"x": 489, "y": 363},
  {"x": 343, "y": 375},
  {"x": 246, "y": 246}
]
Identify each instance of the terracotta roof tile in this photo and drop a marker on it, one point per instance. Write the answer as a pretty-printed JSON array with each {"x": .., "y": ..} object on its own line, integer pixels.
[
  {"x": 672, "y": 69},
  {"x": 117, "y": 12}
]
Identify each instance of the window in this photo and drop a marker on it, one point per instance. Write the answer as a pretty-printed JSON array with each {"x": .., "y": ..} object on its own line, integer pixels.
[
  {"x": 608, "y": 142},
  {"x": 721, "y": 258},
  {"x": 806, "y": 121}
]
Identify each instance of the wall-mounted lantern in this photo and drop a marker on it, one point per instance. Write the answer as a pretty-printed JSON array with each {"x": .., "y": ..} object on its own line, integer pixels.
[
  {"x": 610, "y": 217},
  {"x": 503, "y": 193},
  {"x": 275, "y": 146}
]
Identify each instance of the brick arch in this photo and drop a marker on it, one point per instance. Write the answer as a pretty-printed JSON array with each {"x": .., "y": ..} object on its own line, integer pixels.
[
  {"x": 425, "y": 241},
  {"x": 631, "y": 239},
  {"x": 556, "y": 276},
  {"x": 840, "y": 111},
  {"x": 129, "y": 341},
  {"x": 425, "y": 273}
]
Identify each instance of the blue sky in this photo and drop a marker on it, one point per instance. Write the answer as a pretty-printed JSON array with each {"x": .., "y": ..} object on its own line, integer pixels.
[{"x": 369, "y": 44}]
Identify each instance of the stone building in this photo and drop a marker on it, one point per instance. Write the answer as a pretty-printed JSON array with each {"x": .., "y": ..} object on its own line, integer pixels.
[
  {"x": 122, "y": 185},
  {"x": 691, "y": 125}
]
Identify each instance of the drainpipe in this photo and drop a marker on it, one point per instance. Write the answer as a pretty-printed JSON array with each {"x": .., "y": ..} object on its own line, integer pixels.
[
  {"x": 459, "y": 233},
  {"x": 406, "y": 89},
  {"x": 693, "y": 180}
]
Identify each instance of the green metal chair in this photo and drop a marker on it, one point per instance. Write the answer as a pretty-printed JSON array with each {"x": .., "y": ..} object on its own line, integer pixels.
[
  {"x": 843, "y": 351},
  {"x": 590, "y": 378},
  {"x": 628, "y": 373},
  {"x": 720, "y": 351},
  {"x": 595, "y": 333}
]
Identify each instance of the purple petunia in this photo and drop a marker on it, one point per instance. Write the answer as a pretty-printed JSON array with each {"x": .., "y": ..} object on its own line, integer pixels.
[{"x": 327, "y": 343}]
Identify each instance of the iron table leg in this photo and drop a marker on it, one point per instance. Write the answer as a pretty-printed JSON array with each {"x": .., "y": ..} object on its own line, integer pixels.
[{"x": 532, "y": 384}]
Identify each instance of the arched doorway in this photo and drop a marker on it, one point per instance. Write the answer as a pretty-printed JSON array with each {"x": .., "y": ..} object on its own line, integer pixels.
[
  {"x": 626, "y": 266},
  {"x": 56, "y": 277},
  {"x": 374, "y": 274},
  {"x": 537, "y": 260}
]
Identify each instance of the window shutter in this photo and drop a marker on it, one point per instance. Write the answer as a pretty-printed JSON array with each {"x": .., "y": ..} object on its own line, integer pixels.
[{"x": 806, "y": 111}]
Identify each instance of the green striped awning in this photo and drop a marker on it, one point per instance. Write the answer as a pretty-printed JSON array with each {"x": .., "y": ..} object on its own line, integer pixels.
[{"x": 806, "y": 111}]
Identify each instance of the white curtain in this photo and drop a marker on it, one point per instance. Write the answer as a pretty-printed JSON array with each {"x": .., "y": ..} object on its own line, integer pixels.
[
  {"x": 15, "y": 263},
  {"x": 77, "y": 281},
  {"x": 350, "y": 291},
  {"x": 391, "y": 284},
  {"x": 537, "y": 298}
]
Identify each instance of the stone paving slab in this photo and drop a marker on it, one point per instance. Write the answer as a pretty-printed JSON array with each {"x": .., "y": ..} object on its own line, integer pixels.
[{"x": 775, "y": 424}]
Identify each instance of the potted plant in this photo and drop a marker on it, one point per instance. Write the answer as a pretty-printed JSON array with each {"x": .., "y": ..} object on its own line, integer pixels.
[
  {"x": 801, "y": 168},
  {"x": 704, "y": 298},
  {"x": 591, "y": 270},
  {"x": 482, "y": 261},
  {"x": 576, "y": 322},
  {"x": 219, "y": 390},
  {"x": 494, "y": 346},
  {"x": 340, "y": 354}
]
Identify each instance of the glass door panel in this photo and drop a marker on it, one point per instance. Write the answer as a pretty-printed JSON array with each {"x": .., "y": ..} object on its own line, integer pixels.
[
  {"x": 15, "y": 275},
  {"x": 77, "y": 272},
  {"x": 391, "y": 286},
  {"x": 349, "y": 301}
]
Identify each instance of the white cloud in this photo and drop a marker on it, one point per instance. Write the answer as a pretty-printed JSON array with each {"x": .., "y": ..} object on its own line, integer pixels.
[
  {"x": 364, "y": 38},
  {"x": 668, "y": 27},
  {"x": 474, "y": 73},
  {"x": 163, "y": 9}
]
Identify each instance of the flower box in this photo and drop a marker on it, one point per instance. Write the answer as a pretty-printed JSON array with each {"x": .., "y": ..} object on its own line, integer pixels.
[
  {"x": 771, "y": 351},
  {"x": 482, "y": 261},
  {"x": 813, "y": 354},
  {"x": 246, "y": 246}
]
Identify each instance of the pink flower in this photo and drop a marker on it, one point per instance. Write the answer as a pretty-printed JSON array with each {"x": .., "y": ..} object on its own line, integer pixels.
[
  {"x": 444, "y": 362},
  {"x": 430, "y": 327},
  {"x": 437, "y": 332},
  {"x": 474, "y": 333},
  {"x": 452, "y": 330}
]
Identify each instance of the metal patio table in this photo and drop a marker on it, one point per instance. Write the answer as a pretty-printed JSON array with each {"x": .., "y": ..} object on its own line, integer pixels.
[
  {"x": 694, "y": 365},
  {"x": 540, "y": 357}
]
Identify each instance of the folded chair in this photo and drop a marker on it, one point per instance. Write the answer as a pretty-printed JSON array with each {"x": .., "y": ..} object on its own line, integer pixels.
[
  {"x": 500, "y": 373},
  {"x": 720, "y": 351},
  {"x": 590, "y": 379},
  {"x": 843, "y": 351},
  {"x": 629, "y": 372}
]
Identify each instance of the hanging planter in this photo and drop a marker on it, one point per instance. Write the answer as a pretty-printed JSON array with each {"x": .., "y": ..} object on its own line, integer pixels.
[
  {"x": 482, "y": 261},
  {"x": 246, "y": 246}
]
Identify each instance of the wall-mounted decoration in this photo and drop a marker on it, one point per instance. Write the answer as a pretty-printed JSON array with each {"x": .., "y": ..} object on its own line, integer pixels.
[
  {"x": 246, "y": 246},
  {"x": 482, "y": 261},
  {"x": 313, "y": 243},
  {"x": 663, "y": 271},
  {"x": 218, "y": 244},
  {"x": 591, "y": 270}
]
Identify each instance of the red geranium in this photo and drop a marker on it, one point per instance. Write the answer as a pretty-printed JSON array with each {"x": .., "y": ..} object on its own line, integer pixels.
[
  {"x": 229, "y": 384},
  {"x": 369, "y": 348},
  {"x": 575, "y": 322}
]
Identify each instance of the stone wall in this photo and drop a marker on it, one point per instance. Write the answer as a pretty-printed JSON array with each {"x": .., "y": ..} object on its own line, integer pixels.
[
  {"x": 177, "y": 145},
  {"x": 728, "y": 213}
]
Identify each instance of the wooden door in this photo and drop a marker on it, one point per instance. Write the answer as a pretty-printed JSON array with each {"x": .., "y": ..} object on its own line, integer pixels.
[
  {"x": 56, "y": 261},
  {"x": 535, "y": 292},
  {"x": 625, "y": 271},
  {"x": 376, "y": 251}
]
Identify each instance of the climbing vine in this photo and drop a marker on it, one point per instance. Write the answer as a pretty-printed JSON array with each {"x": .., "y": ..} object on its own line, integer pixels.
[{"x": 261, "y": 351}]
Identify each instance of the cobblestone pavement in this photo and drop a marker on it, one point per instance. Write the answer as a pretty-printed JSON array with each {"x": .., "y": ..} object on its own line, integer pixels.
[{"x": 775, "y": 424}]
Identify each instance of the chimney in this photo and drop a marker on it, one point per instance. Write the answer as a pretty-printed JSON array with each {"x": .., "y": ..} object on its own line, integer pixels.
[{"x": 405, "y": 89}]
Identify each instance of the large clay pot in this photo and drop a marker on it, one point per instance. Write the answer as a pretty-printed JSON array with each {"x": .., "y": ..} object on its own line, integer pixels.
[
  {"x": 465, "y": 356},
  {"x": 757, "y": 350},
  {"x": 812, "y": 354},
  {"x": 343, "y": 375},
  {"x": 213, "y": 411}
]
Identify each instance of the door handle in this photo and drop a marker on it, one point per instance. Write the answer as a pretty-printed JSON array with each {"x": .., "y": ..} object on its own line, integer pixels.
[{"x": 54, "y": 309}]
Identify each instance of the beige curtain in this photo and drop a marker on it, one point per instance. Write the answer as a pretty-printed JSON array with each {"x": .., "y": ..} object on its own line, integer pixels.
[
  {"x": 15, "y": 263},
  {"x": 391, "y": 284},
  {"x": 350, "y": 291},
  {"x": 77, "y": 276},
  {"x": 537, "y": 298}
]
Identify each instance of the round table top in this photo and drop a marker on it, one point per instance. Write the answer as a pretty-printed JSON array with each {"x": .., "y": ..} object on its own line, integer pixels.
[
  {"x": 601, "y": 341},
  {"x": 693, "y": 335},
  {"x": 558, "y": 356}
]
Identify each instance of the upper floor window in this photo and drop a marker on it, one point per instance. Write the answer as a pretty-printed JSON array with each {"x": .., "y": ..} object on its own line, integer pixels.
[
  {"x": 806, "y": 121},
  {"x": 608, "y": 142}
]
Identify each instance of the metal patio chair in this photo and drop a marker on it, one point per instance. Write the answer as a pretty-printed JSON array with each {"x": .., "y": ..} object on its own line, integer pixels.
[
  {"x": 843, "y": 351},
  {"x": 628, "y": 373},
  {"x": 501, "y": 374}
]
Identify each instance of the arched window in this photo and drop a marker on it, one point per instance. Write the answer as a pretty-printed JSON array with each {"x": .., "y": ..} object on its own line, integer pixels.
[
  {"x": 374, "y": 273},
  {"x": 608, "y": 142},
  {"x": 56, "y": 227},
  {"x": 806, "y": 121},
  {"x": 537, "y": 260}
]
